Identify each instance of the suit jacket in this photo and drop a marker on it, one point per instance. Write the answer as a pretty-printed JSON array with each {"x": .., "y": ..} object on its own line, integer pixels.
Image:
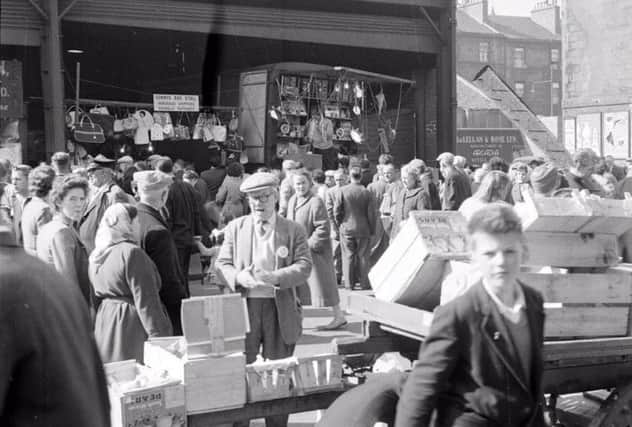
[
  {"x": 425, "y": 182},
  {"x": 157, "y": 241},
  {"x": 213, "y": 178},
  {"x": 355, "y": 211},
  {"x": 456, "y": 188},
  {"x": 409, "y": 200},
  {"x": 469, "y": 371},
  {"x": 292, "y": 270},
  {"x": 94, "y": 212},
  {"x": 184, "y": 213}
]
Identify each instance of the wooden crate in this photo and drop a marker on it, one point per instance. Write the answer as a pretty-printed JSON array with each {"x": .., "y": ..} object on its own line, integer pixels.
[
  {"x": 271, "y": 380},
  {"x": 211, "y": 382},
  {"x": 572, "y": 249},
  {"x": 411, "y": 269},
  {"x": 318, "y": 373},
  {"x": 161, "y": 405},
  {"x": 215, "y": 325},
  {"x": 575, "y": 215}
]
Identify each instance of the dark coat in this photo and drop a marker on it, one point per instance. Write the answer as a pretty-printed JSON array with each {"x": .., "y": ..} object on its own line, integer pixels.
[
  {"x": 355, "y": 211},
  {"x": 50, "y": 371},
  {"x": 156, "y": 240},
  {"x": 469, "y": 371},
  {"x": 456, "y": 188},
  {"x": 184, "y": 213},
  {"x": 213, "y": 178},
  {"x": 94, "y": 212},
  {"x": 292, "y": 266},
  {"x": 426, "y": 182},
  {"x": 408, "y": 200}
]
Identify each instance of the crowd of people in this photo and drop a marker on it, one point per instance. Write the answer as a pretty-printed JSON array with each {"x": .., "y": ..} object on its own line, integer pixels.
[{"x": 120, "y": 235}]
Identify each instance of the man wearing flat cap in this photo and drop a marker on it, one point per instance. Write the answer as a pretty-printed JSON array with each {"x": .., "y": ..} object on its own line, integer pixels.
[
  {"x": 152, "y": 188},
  {"x": 104, "y": 193},
  {"x": 266, "y": 257}
]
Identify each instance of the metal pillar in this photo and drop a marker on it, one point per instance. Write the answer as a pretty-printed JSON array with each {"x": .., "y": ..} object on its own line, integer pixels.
[
  {"x": 446, "y": 102},
  {"x": 52, "y": 78},
  {"x": 420, "y": 113}
]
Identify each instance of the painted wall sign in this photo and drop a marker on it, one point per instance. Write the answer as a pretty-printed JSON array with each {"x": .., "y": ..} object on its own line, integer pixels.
[
  {"x": 166, "y": 102},
  {"x": 11, "y": 91},
  {"x": 478, "y": 145}
]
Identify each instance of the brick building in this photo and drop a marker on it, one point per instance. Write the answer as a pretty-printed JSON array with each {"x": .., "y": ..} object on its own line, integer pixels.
[
  {"x": 525, "y": 51},
  {"x": 597, "y": 75}
]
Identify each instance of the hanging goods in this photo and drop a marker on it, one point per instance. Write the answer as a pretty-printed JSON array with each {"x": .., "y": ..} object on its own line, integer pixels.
[
  {"x": 118, "y": 125},
  {"x": 181, "y": 131},
  {"x": 163, "y": 119},
  {"x": 233, "y": 125},
  {"x": 130, "y": 123},
  {"x": 198, "y": 129},
  {"x": 88, "y": 132},
  {"x": 100, "y": 109},
  {"x": 71, "y": 115},
  {"x": 156, "y": 132},
  {"x": 219, "y": 131},
  {"x": 144, "y": 118}
]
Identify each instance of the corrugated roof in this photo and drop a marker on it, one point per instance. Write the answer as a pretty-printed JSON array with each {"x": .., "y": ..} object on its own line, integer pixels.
[
  {"x": 470, "y": 97},
  {"x": 521, "y": 27},
  {"x": 466, "y": 24}
]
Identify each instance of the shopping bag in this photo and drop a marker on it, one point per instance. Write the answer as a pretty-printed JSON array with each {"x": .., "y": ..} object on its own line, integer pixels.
[
  {"x": 141, "y": 136},
  {"x": 144, "y": 118},
  {"x": 88, "y": 132},
  {"x": 71, "y": 115},
  {"x": 99, "y": 109},
  {"x": 156, "y": 132}
]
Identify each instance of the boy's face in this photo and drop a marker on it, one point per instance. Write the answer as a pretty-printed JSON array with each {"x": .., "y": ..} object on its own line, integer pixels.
[{"x": 497, "y": 256}]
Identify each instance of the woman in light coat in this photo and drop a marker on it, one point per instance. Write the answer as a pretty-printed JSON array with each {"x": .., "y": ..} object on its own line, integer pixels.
[
  {"x": 309, "y": 210},
  {"x": 58, "y": 242},
  {"x": 37, "y": 210},
  {"x": 127, "y": 283},
  {"x": 413, "y": 197}
]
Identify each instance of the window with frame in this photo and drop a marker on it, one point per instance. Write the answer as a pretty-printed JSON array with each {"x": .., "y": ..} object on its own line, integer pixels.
[
  {"x": 483, "y": 52},
  {"x": 555, "y": 93},
  {"x": 519, "y": 88},
  {"x": 555, "y": 56},
  {"x": 519, "y": 58}
]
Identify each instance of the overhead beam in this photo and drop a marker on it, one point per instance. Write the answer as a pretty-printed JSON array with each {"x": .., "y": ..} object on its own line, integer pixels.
[
  {"x": 432, "y": 24},
  {"x": 39, "y": 9},
  {"x": 67, "y": 9}
]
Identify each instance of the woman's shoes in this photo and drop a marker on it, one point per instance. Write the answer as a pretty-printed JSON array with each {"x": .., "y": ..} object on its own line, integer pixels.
[{"x": 333, "y": 325}]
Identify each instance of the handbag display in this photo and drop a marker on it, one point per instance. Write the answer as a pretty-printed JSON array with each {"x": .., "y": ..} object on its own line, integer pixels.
[
  {"x": 164, "y": 120},
  {"x": 141, "y": 136},
  {"x": 105, "y": 121},
  {"x": 199, "y": 126},
  {"x": 156, "y": 132},
  {"x": 71, "y": 115},
  {"x": 130, "y": 123},
  {"x": 88, "y": 132},
  {"x": 118, "y": 125},
  {"x": 144, "y": 119},
  {"x": 99, "y": 109}
]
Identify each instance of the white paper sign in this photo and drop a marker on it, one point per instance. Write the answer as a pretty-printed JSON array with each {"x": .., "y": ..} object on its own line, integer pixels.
[{"x": 166, "y": 102}]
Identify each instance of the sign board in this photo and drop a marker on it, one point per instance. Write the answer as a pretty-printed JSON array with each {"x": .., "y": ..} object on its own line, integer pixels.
[
  {"x": 165, "y": 102},
  {"x": 11, "y": 95},
  {"x": 616, "y": 141},
  {"x": 588, "y": 132},
  {"x": 478, "y": 145}
]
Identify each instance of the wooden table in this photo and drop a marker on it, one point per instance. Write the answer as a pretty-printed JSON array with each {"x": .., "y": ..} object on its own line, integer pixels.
[{"x": 290, "y": 405}]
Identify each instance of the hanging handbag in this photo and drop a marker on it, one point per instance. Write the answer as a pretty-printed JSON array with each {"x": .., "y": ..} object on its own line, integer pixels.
[
  {"x": 233, "y": 125},
  {"x": 163, "y": 118},
  {"x": 71, "y": 115},
  {"x": 219, "y": 131},
  {"x": 199, "y": 126},
  {"x": 88, "y": 132},
  {"x": 105, "y": 121},
  {"x": 118, "y": 125},
  {"x": 99, "y": 109},
  {"x": 130, "y": 123},
  {"x": 144, "y": 118},
  {"x": 181, "y": 131},
  {"x": 156, "y": 132}
]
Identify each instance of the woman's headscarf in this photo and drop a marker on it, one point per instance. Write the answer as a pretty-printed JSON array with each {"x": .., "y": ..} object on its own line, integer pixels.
[{"x": 115, "y": 227}]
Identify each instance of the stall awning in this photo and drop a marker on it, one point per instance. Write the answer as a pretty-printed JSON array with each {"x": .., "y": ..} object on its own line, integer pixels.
[
  {"x": 19, "y": 23},
  {"x": 412, "y": 34}
]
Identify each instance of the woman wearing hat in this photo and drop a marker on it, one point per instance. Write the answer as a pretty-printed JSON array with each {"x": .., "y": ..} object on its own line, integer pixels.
[
  {"x": 127, "y": 282},
  {"x": 309, "y": 210}
]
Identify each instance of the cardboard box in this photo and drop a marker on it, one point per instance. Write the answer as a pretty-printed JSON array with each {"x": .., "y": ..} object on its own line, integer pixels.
[
  {"x": 271, "y": 380},
  {"x": 158, "y": 405},
  {"x": 211, "y": 382},
  {"x": 215, "y": 325},
  {"x": 411, "y": 269},
  {"x": 318, "y": 373}
]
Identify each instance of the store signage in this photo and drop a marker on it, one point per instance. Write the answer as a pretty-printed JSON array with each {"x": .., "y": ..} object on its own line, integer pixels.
[
  {"x": 479, "y": 145},
  {"x": 165, "y": 102},
  {"x": 11, "y": 95}
]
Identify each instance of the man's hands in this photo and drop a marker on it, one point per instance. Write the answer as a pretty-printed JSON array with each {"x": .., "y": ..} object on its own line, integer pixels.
[{"x": 251, "y": 277}]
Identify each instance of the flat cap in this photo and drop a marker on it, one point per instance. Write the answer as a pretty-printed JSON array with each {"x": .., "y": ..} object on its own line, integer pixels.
[
  {"x": 100, "y": 162},
  {"x": 125, "y": 159},
  {"x": 259, "y": 181},
  {"x": 151, "y": 180}
]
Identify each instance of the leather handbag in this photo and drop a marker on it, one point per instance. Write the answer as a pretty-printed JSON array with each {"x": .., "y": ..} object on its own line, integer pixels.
[
  {"x": 198, "y": 132},
  {"x": 105, "y": 121},
  {"x": 71, "y": 115},
  {"x": 156, "y": 132},
  {"x": 100, "y": 109},
  {"x": 130, "y": 123},
  {"x": 118, "y": 125},
  {"x": 88, "y": 132},
  {"x": 144, "y": 118}
]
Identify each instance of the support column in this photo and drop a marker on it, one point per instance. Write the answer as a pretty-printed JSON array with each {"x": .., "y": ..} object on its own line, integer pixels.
[
  {"x": 420, "y": 113},
  {"x": 52, "y": 79},
  {"x": 446, "y": 104}
]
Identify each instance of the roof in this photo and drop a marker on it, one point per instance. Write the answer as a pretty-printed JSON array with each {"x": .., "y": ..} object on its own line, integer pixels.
[
  {"x": 470, "y": 97},
  {"x": 522, "y": 27},
  {"x": 466, "y": 24}
]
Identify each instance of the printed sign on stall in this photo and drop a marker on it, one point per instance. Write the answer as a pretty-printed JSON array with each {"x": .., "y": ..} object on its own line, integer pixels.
[
  {"x": 11, "y": 96},
  {"x": 589, "y": 132},
  {"x": 481, "y": 144},
  {"x": 616, "y": 141},
  {"x": 166, "y": 102}
]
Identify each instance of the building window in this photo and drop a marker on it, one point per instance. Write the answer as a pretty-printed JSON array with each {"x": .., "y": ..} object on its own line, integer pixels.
[
  {"x": 555, "y": 93},
  {"x": 519, "y": 86},
  {"x": 555, "y": 56},
  {"x": 483, "y": 52},
  {"x": 518, "y": 58}
]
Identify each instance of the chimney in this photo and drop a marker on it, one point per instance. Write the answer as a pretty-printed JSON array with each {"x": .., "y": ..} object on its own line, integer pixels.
[
  {"x": 547, "y": 14},
  {"x": 477, "y": 9}
]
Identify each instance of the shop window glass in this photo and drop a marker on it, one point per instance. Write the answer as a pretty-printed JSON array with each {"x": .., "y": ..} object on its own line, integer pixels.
[
  {"x": 555, "y": 93},
  {"x": 519, "y": 88},
  {"x": 555, "y": 55},
  {"x": 483, "y": 52}
]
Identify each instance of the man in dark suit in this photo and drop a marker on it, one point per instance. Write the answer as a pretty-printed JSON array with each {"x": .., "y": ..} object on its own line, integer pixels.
[
  {"x": 213, "y": 177},
  {"x": 266, "y": 257},
  {"x": 104, "y": 194},
  {"x": 355, "y": 214},
  {"x": 183, "y": 216},
  {"x": 50, "y": 370},
  {"x": 157, "y": 241},
  {"x": 456, "y": 184},
  {"x": 481, "y": 364}
]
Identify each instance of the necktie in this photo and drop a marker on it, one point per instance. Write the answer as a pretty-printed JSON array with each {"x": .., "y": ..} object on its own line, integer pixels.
[{"x": 261, "y": 228}]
